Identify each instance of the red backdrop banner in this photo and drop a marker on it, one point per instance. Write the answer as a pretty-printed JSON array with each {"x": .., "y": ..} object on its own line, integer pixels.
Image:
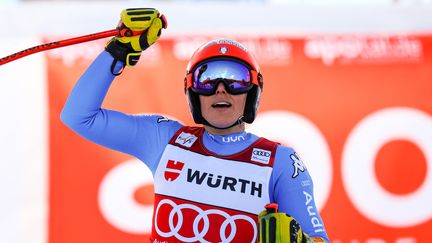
[{"x": 369, "y": 96}]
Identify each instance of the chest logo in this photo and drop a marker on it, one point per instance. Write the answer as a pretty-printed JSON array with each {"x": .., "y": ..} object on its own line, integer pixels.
[
  {"x": 216, "y": 225},
  {"x": 186, "y": 139},
  {"x": 261, "y": 155},
  {"x": 173, "y": 170}
]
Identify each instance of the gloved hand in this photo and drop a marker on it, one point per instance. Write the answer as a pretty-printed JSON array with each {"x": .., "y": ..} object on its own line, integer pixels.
[
  {"x": 275, "y": 227},
  {"x": 139, "y": 28}
]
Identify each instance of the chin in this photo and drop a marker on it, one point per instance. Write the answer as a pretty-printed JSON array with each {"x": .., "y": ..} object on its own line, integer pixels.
[
  {"x": 217, "y": 124},
  {"x": 222, "y": 123}
]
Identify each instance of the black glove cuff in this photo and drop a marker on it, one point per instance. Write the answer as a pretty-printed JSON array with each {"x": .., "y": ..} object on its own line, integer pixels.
[
  {"x": 118, "y": 50},
  {"x": 122, "y": 53},
  {"x": 143, "y": 41}
]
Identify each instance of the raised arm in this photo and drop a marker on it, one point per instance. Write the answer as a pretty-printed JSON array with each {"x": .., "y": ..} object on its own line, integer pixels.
[
  {"x": 83, "y": 113},
  {"x": 122, "y": 132}
]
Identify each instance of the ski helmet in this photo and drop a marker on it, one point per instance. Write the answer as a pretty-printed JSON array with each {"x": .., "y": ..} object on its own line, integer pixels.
[{"x": 224, "y": 49}]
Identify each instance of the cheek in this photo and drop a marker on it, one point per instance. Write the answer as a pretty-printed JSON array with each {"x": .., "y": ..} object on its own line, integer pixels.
[
  {"x": 241, "y": 101},
  {"x": 203, "y": 101}
]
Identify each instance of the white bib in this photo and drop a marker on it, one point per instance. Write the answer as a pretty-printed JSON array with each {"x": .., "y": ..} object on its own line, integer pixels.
[{"x": 204, "y": 197}]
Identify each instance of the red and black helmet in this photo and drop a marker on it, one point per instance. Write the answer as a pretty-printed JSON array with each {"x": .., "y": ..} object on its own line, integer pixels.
[{"x": 224, "y": 49}]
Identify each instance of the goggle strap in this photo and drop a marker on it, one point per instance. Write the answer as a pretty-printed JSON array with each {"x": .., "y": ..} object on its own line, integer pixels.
[
  {"x": 254, "y": 77},
  {"x": 188, "y": 80}
]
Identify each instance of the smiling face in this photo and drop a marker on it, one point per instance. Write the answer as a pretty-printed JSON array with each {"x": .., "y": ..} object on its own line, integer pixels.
[{"x": 222, "y": 110}]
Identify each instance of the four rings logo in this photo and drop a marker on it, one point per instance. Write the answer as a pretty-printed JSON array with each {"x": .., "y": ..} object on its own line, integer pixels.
[
  {"x": 201, "y": 222},
  {"x": 261, "y": 155}
]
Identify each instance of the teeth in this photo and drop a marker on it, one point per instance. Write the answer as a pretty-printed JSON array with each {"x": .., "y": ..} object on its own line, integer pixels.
[{"x": 221, "y": 104}]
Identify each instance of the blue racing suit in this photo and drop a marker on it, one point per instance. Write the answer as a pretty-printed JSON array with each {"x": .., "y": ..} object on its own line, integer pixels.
[{"x": 147, "y": 136}]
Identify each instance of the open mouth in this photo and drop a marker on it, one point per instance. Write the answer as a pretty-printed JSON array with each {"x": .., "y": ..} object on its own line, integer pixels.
[{"x": 221, "y": 104}]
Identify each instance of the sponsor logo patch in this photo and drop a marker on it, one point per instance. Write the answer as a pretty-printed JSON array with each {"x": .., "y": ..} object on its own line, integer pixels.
[
  {"x": 186, "y": 139},
  {"x": 225, "y": 182},
  {"x": 173, "y": 170},
  {"x": 298, "y": 165},
  {"x": 261, "y": 155},
  {"x": 162, "y": 119}
]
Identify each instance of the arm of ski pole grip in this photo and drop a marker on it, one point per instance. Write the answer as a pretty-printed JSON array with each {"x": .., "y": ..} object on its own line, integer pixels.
[
  {"x": 126, "y": 32},
  {"x": 164, "y": 21},
  {"x": 272, "y": 208}
]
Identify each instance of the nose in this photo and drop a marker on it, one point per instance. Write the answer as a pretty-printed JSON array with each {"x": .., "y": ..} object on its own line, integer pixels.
[{"x": 220, "y": 88}]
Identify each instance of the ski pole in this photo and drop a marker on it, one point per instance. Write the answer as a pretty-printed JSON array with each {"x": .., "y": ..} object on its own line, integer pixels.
[{"x": 67, "y": 42}]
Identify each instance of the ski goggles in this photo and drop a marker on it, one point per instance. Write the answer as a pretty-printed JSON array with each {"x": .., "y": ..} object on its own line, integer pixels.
[{"x": 237, "y": 77}]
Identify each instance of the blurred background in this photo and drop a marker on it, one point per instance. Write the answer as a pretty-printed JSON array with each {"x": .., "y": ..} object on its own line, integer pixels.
[{"x": 348, "y": 84}]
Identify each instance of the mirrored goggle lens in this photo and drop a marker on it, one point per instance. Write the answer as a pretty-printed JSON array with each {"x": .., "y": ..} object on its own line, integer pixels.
[{"x": 235, "y": 75}]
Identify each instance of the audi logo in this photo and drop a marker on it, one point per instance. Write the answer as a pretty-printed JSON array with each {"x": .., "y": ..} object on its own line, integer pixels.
[
  {"x": 261, "y": 153},
  {"x": 203, "y": 215}
]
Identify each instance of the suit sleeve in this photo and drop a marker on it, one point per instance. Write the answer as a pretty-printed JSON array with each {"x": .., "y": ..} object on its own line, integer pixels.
[
  {"x": 292, "y": 189},
  {"x": 143, "y": 136}
]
